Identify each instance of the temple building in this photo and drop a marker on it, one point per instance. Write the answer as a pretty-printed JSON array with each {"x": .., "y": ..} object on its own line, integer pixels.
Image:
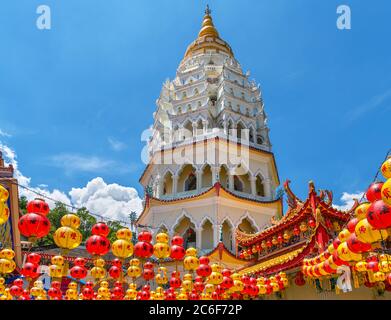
[{"x": 211, "y": 169}]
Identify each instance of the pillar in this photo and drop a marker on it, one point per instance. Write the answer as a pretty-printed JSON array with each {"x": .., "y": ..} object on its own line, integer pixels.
[
  {"x": 216, "y": 235},
  {"x": 175, "y": 184},
  {"x": 268, "y": 188},
  {"x": 231, "y": 182},
  {"x": 205, "y": 126},
  {"x": 253, "y": 185},
  {"x": 199, "y": 180},
  {"x": 198, "y": 238}
]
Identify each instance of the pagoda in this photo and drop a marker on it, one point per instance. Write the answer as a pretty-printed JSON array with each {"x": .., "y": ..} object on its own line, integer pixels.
[{"x": 211, "y": 168}]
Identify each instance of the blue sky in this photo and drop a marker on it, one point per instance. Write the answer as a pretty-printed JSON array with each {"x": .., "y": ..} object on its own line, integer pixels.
[{"x": 75, "y": 99}]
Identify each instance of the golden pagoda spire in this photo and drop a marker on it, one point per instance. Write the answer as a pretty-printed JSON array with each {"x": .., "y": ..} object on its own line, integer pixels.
[
  {"x": 208, "y": 38},
  {"x": 207, "y": 28}
]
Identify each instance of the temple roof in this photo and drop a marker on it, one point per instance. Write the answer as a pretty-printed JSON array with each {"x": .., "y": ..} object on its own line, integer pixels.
[
  {"x": 216, "y": 190},
  {"x": 316, "y": 206}
]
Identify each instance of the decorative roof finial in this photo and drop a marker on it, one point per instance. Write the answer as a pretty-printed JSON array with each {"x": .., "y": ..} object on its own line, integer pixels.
[{"x": 207, "y": 10}]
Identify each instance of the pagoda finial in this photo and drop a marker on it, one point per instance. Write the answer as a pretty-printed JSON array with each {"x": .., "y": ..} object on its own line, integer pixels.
[
  {"x": 207, "y": 28},
  {"x": 207, "y": 10}
]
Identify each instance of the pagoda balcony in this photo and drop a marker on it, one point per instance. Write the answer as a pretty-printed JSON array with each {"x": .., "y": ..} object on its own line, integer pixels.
[
  {"x": 209, "y": 135},
  {"x": 183, "y": 194}
]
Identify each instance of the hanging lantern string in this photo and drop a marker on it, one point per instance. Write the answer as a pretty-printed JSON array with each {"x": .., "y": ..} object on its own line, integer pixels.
[{"x": 74, "y": 208}]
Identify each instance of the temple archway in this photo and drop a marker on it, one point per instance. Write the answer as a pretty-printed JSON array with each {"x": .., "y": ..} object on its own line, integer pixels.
[
  {"x": 207, "y": 235},
  {"x": 247, "y": 226},
  {"x": 206, "y": 176},
  {"x": 187, "y": 180}
]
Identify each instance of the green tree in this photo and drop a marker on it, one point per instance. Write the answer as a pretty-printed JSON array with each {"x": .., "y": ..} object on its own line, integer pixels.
[
  {"x": 86, "y": 222},
  {"x": 114, "y": 227},
  {"x": 23, "y": 204}
]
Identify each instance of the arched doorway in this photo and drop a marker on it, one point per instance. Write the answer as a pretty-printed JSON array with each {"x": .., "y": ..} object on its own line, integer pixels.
[
  {"x": 207, "y": 235},
  {"x": 247, "y": 226},
  {"x": 186, "y": 229}
]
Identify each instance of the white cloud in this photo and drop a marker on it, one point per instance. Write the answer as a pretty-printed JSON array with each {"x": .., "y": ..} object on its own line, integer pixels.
[
  {"x": 116, "y": 145},
  {"x": 109, "y": 200},
  {"x": 4, "y": 134},
  {"x": 74, "y": 162},
  {"x": 347, "y": 200},
  {"x": 10, "y": 157}
]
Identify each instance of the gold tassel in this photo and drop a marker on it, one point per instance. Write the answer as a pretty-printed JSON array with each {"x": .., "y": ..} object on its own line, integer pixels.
[
  {"x": 337, "y": 290},
  {"x": 355, "y": 280},
  {"x": 370, "y": 276}
]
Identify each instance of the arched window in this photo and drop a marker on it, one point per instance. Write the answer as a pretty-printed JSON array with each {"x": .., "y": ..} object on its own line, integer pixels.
[
  {"x": 238, "y": 184},
  {"x": 259, "y": 140},
  {"x": 207, "y": 235},
  {"x": 240, "y": 131},
  {"x": 227, "y": 235},
  {"x": 260, "y": 189},
  {"x": 191, "y": 182}
]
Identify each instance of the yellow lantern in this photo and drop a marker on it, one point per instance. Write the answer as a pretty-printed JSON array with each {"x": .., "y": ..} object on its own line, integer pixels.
[
  {"x": 336, "y": 226},
  {"x": 262, "y": 289},
  {"x": 182, "y": 295},
  {"x": 187, "y": 285},
  {"x": 99, "y": 262},
  {"x": 124, "y": 234},
  {"x": 386, "y": 192},
  {"x": 104, "y": 284},
  {"x": 57, "y": 260},
  {"x": 55, "y": 271},
  {"x": 286, "y": 235},
  {"x": 98, "y": 272},
  {"x": 386, "y": 168},
  {"x": 379, "y": 276},
  {"x": 345, "y": 254},
  {"x": 6, "y": 266},
  {"x": 161, "y": 276},
  {"x": 209, "y": 288},
  {"x": 330, "y": 249},
  {"x": 134, "y": 271},
  {"x": 191, "y": 261},
  {"x": 161, "y": 250},
  {"x": 361, "y": 266},
  {"x": 4, "y": 213},
  {"x": 344, "y": 235},
  {"x": 367, "y": 234},
  {"x": 8, "y": 254},
  {"x": 70, "y": 220},
  {"x": 122, "y": 248},
  {"x": 361, "y": 210},
  {"x": 238, "y": 286},
  {"x": 162, "y": 237},
  {"x": 67, "y": 238},
  {"x": 4, "y": 194}
]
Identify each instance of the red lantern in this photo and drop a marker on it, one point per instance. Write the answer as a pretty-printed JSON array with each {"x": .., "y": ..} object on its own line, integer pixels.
[
  {"x": 269, "y": 243},
  {"x": 30, "y": 270},
  {"x": 226, "y": 272},
  {"x": 97, "y": 245},
  {"x": 227, "y": 282},
  {"x": 199, "y": 286},
  {"x": 78, "y": 272},
  {"x": 118, "y": 292},
  {"x": 38, "y": 206},
  {"x": 336, "y": 243},
  {"x": 204, "y": 260},
  {"x": 144, "y": 236},
  {"x": 204, "y": 270},
  {"x": 114, "y": 272},
  {"x": 57, "y": 284},
  {"x": 87, "y": 293},
  {"x": 34, "y": 225},
  {"x": 54, "y": 293},
  {"x": 100, "y": 229},
  {"x": 80, "y": 262},
  {"x": 148, "y": 274},
  {"x": 177, "y": 240},
  {"x": 16, "y": 291},
  {"x": 33, "y": 258},
  {"x": 18, "y": 282},
  {"x": 175, "y": 282},
  {"x": 299, "y": 279},
  {"x": 296, "y": 231},
  {"x": 352, "y": 225},
  {"x": 170, "y": 296},
  {"x": 117, "y": 262},
  {"x": 280, "y": 239},
  {"x": 374, "y": 191},
  {"x": 177, "y": 252},
  {"x": 143, "y": 249},
  {"x": 357, "y": 246},
  {"x": 379, "y": 215}
]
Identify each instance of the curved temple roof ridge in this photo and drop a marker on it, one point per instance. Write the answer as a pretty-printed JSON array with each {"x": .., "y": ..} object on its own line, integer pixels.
[{"x": 297, "y": 209}]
